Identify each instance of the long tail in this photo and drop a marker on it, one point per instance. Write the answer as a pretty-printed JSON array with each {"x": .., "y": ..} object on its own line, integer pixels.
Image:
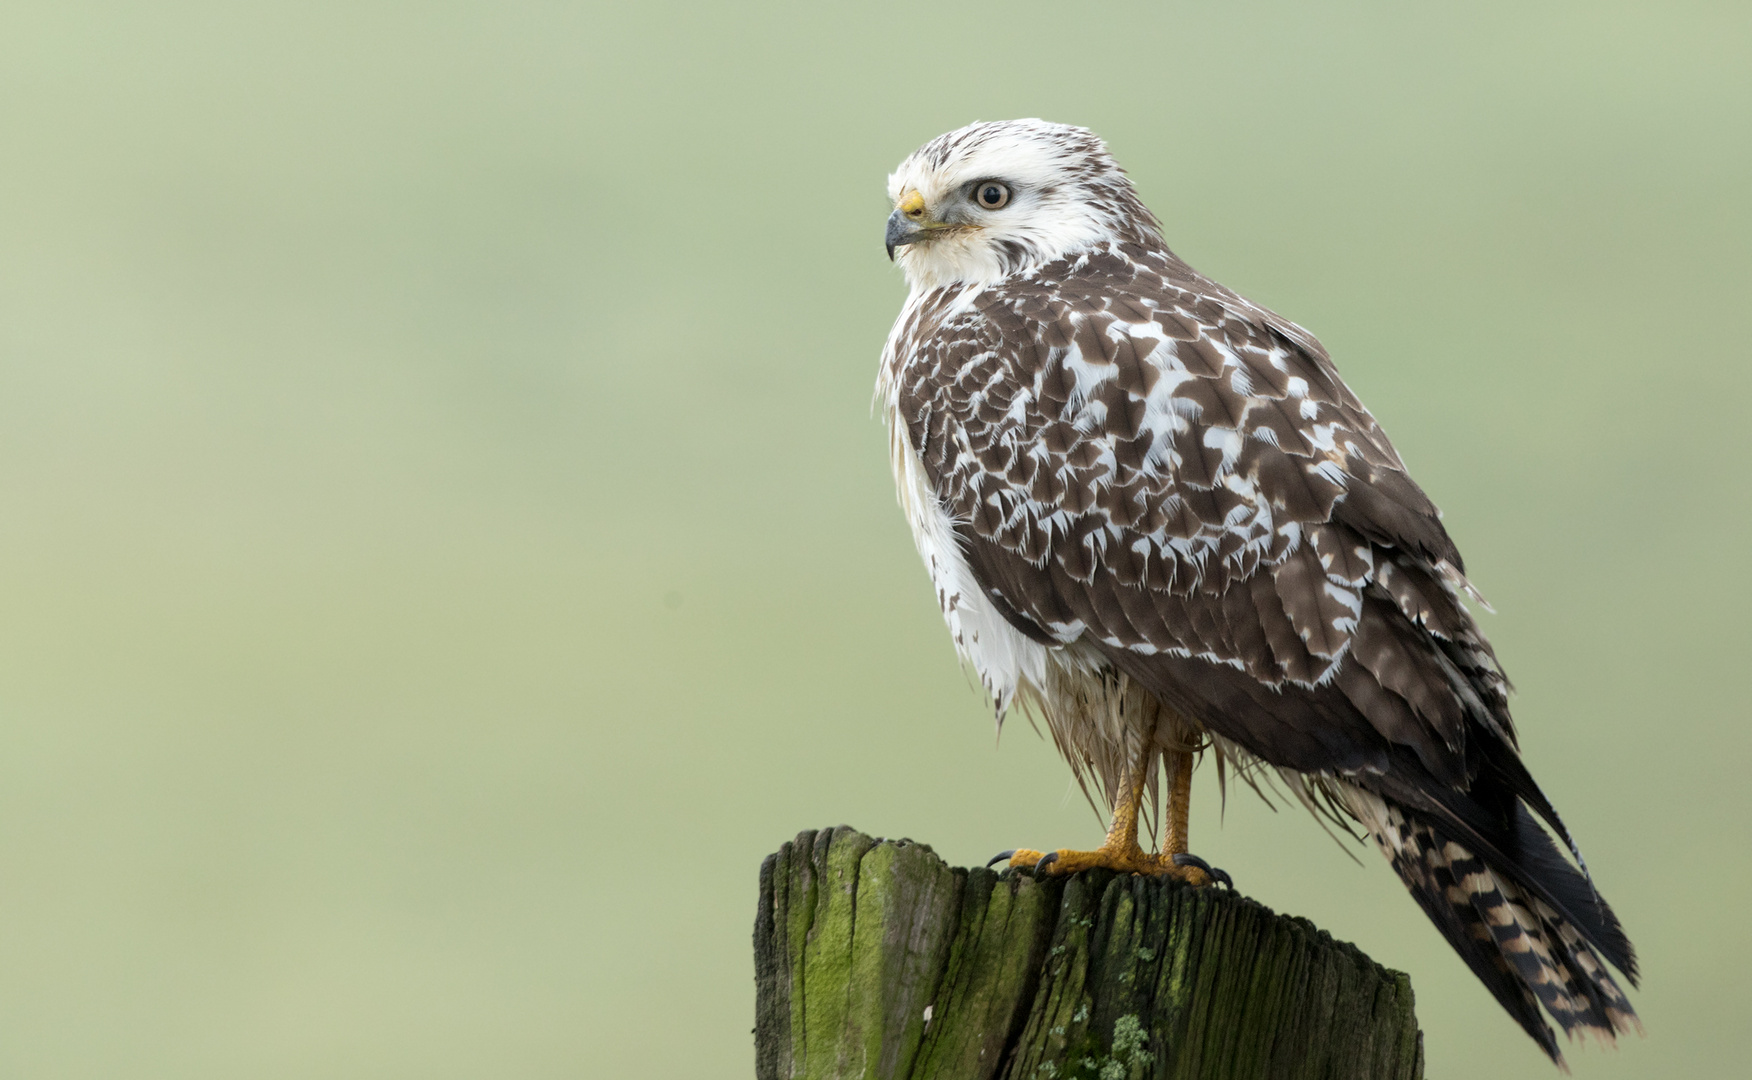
[{"x": 1527, "y": 923}]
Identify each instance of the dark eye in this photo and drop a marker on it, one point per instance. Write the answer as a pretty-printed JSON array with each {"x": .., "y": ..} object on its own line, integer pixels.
[{"x": 991, "y": 194}]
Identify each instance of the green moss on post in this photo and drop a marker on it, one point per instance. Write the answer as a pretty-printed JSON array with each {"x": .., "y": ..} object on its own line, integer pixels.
[{"x": 875, "y": 959}]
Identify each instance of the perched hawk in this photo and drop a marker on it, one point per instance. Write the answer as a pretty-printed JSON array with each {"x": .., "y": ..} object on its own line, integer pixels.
[{"x": 1154, "y": 514}]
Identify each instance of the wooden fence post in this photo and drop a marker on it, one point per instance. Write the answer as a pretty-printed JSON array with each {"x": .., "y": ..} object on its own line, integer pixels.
[{"x": 875, "y": 959}]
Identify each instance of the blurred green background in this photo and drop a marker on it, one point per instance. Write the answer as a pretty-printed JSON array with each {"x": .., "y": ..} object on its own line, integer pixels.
[{"x": 445, "y": 542}]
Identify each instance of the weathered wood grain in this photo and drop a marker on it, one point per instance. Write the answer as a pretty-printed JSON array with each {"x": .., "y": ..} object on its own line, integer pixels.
[{"x": 875, "y": 959}]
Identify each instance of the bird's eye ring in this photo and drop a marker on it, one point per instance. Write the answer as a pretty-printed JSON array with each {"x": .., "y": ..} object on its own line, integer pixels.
[{"x": 991, "y": 195}]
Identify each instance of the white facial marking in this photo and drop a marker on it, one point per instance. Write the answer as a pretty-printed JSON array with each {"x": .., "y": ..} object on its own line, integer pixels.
[{"x": 1066, "y": 195}]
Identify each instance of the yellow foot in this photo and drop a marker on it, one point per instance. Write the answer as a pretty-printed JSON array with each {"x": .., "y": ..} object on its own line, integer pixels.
[{"x": 1122, "y": 860}]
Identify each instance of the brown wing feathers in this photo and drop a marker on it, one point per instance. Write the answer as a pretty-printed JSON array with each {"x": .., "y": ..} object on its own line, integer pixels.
[
  {"x": 1139, "y": 458},
  {"x": 1466, "y": 846}
]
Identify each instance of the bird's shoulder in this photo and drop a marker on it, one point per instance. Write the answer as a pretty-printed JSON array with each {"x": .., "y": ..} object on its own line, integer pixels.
[{"x": 1119, "y": 409}]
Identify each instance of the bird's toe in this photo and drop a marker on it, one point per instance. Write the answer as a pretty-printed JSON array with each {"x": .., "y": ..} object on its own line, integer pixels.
[{"x": 1199, "y": 872}]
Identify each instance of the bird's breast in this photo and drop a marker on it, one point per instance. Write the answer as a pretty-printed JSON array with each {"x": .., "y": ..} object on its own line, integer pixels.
[{"x": 1005, "y": 660}]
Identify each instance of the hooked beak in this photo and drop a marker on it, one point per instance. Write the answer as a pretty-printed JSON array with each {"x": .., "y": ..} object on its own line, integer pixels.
[
  {"x": 909, "y": 223},
  {"x": 901, "y": 232}
]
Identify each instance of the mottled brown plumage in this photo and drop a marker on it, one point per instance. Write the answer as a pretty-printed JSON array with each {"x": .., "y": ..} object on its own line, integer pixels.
[{"x": 1126, "y": 478}]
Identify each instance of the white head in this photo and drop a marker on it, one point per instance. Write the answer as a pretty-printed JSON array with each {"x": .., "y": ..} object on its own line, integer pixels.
[{"x": 992, "y": 199}]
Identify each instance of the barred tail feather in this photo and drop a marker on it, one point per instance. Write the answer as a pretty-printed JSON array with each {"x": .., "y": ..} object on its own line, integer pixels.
[{"x": 1511, "y": 925}]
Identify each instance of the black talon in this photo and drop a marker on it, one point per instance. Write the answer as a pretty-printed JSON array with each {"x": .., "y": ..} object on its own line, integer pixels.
[
  {"x": 1045, "y": 860},
  {"x": 999, "y": 857},
  {"x": 1187, "y": 858}
]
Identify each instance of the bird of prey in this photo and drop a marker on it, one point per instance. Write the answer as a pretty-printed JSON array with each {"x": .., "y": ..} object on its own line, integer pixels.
[{"x": 1154, "y": 515}]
